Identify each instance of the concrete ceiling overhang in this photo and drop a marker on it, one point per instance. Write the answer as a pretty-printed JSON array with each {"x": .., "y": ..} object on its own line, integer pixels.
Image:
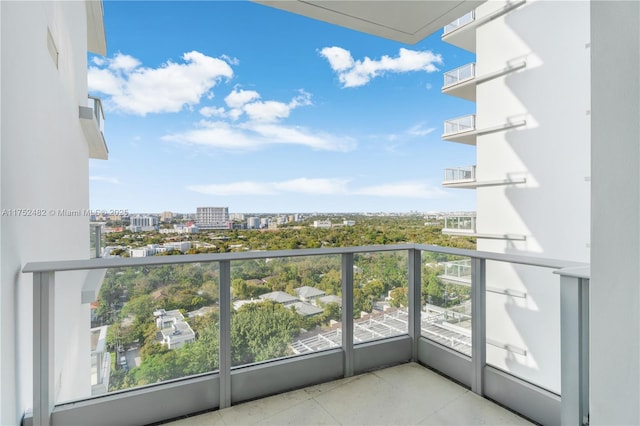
[{"x": 406, "y": 21}]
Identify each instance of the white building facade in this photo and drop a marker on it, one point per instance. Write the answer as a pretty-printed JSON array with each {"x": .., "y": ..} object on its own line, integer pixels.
[
  {"x": 213, "y": 218},
  {"x": 49, "y": 130},
  {"x": 531, "y": 131}
]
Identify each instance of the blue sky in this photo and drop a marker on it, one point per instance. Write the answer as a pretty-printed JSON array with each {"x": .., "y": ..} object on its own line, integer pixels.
[{"x": 231, "y": 103}]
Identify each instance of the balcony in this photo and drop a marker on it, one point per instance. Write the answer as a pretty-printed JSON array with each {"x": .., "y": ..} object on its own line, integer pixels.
[
  {"x": 423, "y": 320},
  {"x": 460, "y": 225},
  {"x": 462, "y": 32},
  {"x": 461, "y": 129},
  {"x": 92, "y": 121},
  {"x": 457, "y": 272},
  {"x": 460, "y": 177},
  {"x": 461, "y": 82}
]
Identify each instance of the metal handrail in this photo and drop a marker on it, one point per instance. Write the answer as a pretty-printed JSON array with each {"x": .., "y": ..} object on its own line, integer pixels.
[
  {"x": 107, "y": 263},
  {"x": 44, "y": 285}
]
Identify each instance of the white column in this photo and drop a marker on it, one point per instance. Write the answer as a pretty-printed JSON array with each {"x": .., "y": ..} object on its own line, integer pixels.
[{"x": 615, "y": 213}]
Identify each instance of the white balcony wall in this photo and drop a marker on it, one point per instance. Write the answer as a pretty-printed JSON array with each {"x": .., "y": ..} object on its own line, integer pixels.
[
  {"x": 43, "y": 155},
  {"x": 552, "y": 151},
  {"x": 615, "y": 270}
]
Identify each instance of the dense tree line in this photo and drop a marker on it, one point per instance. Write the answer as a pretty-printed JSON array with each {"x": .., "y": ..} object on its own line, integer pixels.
[{"x": 262, "y": 331}]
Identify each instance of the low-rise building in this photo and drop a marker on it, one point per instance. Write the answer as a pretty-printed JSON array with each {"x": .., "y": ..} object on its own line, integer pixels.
[
  {"x": 308, "y": 294},
  {"x": 174, "y": 331}
]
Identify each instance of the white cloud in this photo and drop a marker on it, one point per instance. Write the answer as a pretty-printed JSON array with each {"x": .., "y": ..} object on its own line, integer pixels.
[
  {"x": 124, "y": 63},
  {"x": 402, "y": 190},
  {"x": 420, "y": 130},
  {"x": 139, "y": 90},
  {"x": 238, "y": 98},
  {"x": 248, "y": 102},
  {"x": 300, "y": 185},
  {"x": 340, "y": 59},
  {"x": 252, "y": 135},
  {"x": 107, "y": 179},
  {"x": 212, "y": 111},
  {"x": 352, "y": 73},
  {"x": 321, "y": 186},
  {"x": 267, "y": 111}
]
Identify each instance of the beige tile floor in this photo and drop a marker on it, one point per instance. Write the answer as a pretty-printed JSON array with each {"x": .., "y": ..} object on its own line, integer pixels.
[{"x": 407, "y": 394}]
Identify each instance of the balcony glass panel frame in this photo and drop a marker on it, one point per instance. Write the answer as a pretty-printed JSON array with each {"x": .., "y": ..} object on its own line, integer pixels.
[
  {"x": 465, "y": 123},
  {"x": 44, "y": 293},
  {"x": 458, "y": 75},
  {"x": 460, "y": 22},
  {"x": 460, "y": 174},
  {"x": 464, "y": 224}
]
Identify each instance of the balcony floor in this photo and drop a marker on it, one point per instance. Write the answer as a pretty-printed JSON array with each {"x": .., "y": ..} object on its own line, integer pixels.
[{"x": 407, "y": 394}]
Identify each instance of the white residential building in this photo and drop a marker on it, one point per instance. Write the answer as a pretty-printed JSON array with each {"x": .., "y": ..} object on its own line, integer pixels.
[
  {"x": 174, "y": 331},
  {"x": 143, "y": 223},
  {"x": 253, "y": 223},
  {"x": 531, "y": 131},
  {"x": 50, "y": 128},
  {"x": 213, "y": 218}
]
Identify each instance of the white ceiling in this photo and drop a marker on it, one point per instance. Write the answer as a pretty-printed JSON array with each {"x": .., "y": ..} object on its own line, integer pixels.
[{"x": 406, "y": 21}]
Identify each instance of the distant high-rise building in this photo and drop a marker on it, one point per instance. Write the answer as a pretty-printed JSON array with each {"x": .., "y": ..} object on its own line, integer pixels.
[
  {"x": 253, "y": 223},
  {"x": 166, "y": 216},
  {"x": 212, "y": 217},
  {"x": 143, "y": 223}
]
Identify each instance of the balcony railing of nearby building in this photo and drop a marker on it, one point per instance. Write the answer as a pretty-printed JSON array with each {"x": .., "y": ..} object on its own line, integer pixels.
[
  {"x": 461, "y": 21},
  {"x": 96, "y": 105},
  {"x": 459, "y": 174},
  {"x": 95, "y": 240},
  {"x": 92, "y": 121},
  {"x": 458, "y": 125},
  {"x": 457, "y": 271},
  {"x": 460, "y": 224},
  {"x": 460, "y": 74},
  {"x": 442, "y": 325}
]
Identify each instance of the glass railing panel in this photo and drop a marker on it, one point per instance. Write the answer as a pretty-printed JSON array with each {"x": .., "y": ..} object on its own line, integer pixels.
[
  {"x": 462, "y": 73},
  {"x": 98, "y": 113},
  {"x": 523, "y": 322},
  {"x": 446, "y": 301},
  {"x": 460, "y": 124},
  {"x": 284, "y": 307},
  {"x": 460, "y": 173},
  {"x": 461, "y": 21},
  {"x": 380, "y": 295},
  {"x": 149, "y": 325},
  {"x": 460, "y": 224}
]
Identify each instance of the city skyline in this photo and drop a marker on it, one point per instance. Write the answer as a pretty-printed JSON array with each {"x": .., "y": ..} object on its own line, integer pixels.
[{"x": 237, "y": 104}]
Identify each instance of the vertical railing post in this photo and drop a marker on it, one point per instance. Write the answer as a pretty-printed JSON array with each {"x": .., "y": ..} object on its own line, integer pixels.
[
  {"x": 347, "y": 313},
  {"x": 414, "y": 300},
  {"x": 574, "y": 349},
  {"x": 478, "y": 324},
  {"x": 225, "y": 334},
  {"x": 43, "y": 347},
  {"x": 98, "y": 238}
]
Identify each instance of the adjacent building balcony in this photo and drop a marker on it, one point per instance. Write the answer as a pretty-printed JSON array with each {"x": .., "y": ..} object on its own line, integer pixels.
[
  {"x": 460, "y": 225},
  {"x": 461, "y": 129},
  {"x": 462, "y": 32},
  {"x": 461, "y": 82},
  {"x": 460, "y": 177},
  {"x": 92, "y": 121},
  {"x": 457, "y": 272},
  {"x": 424, "y": 319}
]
